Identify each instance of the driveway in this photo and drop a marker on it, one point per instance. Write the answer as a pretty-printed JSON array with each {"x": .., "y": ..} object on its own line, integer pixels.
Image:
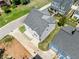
[{"x": 33, "y": 50}]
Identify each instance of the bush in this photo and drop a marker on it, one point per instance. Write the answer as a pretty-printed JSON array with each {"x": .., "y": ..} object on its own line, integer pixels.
[
  {"x": 24, "y": 1},
  {"x": 13, "y": 6},
  {"x": 6, "y": 9},
  {"x": 16, "y": 2},
  {"x": 22, "y": 29}
]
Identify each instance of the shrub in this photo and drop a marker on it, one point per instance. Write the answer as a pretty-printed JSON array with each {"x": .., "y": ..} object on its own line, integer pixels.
[
  {"x": 16, "y": 2},
  {"x": 24, "y": 1},
  {"x": 6, "y": 9},
  {"x": 22, "y": 28},
  {"x": 13, "y": 6}
]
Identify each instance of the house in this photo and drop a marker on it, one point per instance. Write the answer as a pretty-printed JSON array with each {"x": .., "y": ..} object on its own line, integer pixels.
[
  {"x": 5, "y": 2},
  {"x": 76, "y": 14},
  {"x": 62, "y": 6},
  {"x": 67, "y": 44},
  {"x": 39, "y": 24}
]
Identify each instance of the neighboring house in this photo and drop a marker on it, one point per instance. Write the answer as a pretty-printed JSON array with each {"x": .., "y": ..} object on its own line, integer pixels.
[
  {"x": 67, "y": 44},
  {"x": 1, "y": 2},
  {"x": 39, "y": 25},
  {"x": 62, "y": 6},
  {"x": 76, "y": 14},
  {"x": 5, "y": 2}
]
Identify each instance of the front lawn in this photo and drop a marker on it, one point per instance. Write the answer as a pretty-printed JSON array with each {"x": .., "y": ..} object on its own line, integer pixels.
[
  {"x": 44, "y": 45},
  {"x": 6, "y": 18},
  {"x": 21, "y": 10}
]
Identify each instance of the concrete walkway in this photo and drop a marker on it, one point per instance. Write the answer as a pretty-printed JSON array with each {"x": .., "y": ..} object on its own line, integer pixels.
[{"x": 33, "y": 50}]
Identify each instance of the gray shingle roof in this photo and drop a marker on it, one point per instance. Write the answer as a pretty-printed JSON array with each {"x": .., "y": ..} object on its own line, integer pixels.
[
  {"x": 38, "y": 22},
  {"x": 62, "y": 5},
  {"x": 77, "y": 11},
  {"x": 68, "y": 29},
  {"x": 68, "y": 43}
]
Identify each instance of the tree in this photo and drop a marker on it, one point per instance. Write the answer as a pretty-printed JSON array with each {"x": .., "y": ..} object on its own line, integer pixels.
[
  {"x": 62, "y": 21},
  {"x": 24, "y": 1},
  {"x": 16, "y": 2},
  {"x": 6, "y": 9}
]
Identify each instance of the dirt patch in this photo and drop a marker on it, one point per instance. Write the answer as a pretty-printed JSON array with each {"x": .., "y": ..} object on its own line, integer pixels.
[{"x": 15, "y": 49}]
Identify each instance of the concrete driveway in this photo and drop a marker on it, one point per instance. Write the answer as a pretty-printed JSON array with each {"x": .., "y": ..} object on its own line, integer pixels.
[{"x": 29, "y": 45}]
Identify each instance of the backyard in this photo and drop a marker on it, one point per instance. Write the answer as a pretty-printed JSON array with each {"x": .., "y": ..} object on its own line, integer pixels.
[
  {"x": 21, "y": 10},
  {"x": 14, "y": 49}
]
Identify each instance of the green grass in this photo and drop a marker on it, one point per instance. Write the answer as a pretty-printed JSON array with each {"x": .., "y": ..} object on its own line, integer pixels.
[
  {"x": 22, "y": 29},
  {"x": 21, "y": 10},
  {"x": 72, "y": 22},
  {"x": 44, "y": 45},
  {"x": 7, "y": 38}
]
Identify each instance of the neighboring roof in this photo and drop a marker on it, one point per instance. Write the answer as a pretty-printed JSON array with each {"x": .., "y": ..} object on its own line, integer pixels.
[
  {"x": 63, "y": 5},
  {"x": 38, "y": 21},
  {"x": 67, "y": 43},
  {"x": 37, "y": 57},
  {"x": 68, "y": 29},
  {"x": 77, "y": 11}
]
